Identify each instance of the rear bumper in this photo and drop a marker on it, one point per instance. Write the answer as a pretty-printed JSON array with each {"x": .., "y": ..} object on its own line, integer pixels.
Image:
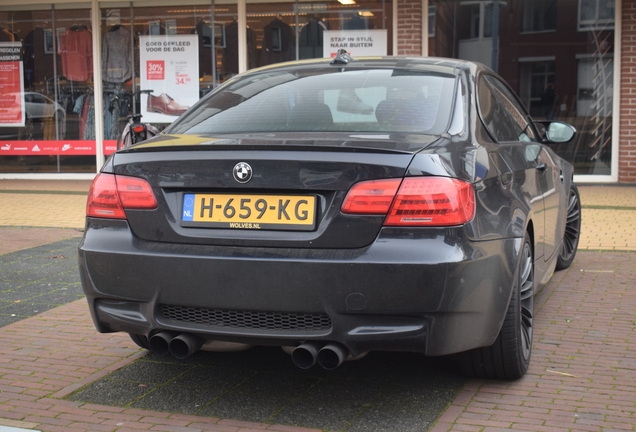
[{"x": 424, "y": 290}]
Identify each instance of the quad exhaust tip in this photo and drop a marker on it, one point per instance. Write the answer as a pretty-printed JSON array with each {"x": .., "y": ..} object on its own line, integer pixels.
[
  {"x": 304, "y": 356},
  {"x": 179, "y": 345},
  {"x": 328, "y": 356},
  {"x": 332, "y": 355}
]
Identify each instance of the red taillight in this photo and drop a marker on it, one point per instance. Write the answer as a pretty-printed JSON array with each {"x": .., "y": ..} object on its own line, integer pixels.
[
  {"x": 371, "y": 197},
  {"x": 135, "y": 193},
  {"x": 432, "y": 201},
  {"x": 103, "y": 199},
  {"x": 420, "y": 201},
  {"x": 110, "y": 195}
]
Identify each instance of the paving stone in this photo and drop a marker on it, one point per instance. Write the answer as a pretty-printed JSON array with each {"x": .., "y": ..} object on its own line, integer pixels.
[{"x": 384, "y": 391}]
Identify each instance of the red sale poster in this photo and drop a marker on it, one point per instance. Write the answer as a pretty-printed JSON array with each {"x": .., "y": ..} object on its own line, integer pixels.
[{"x": 11, "y": 85}]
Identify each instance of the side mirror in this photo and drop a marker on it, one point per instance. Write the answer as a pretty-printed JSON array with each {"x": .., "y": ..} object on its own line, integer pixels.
[{"x": 558, "y": 132}]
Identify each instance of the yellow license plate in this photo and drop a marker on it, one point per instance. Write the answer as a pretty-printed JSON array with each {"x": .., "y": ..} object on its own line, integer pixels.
[{"x": 280, "y": 212}]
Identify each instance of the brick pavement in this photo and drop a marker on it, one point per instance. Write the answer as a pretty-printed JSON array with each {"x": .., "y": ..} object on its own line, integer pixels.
[
  {"x": 45, "y": 358},
  {"x": 583, "y": 371},
  {"x": 582, "y": 377}
]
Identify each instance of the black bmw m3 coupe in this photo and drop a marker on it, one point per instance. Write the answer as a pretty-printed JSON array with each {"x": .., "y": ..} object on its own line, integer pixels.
[{"x": 336, "y": 207}]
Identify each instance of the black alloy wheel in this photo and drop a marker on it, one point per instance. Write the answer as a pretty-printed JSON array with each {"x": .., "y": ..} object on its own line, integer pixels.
[
  {"x": 572, "y": 230},
  {"x": 509, "y": 357}
]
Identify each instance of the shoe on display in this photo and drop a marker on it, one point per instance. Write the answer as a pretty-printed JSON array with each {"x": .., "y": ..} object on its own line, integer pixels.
[{"x": 164, "y": 104}]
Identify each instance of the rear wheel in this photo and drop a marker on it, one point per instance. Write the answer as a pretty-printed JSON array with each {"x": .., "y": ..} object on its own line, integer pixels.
[
  {"x": 509, "y": 357},
  {"x": 140, "y": 340},
  {"x": 572, "y": 230}
]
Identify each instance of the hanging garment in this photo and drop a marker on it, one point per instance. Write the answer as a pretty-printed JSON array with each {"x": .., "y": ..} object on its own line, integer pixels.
[
  {"x": 278, "y": 43},
  {"x": 204, "y": 32},
  {"x": 117, "y": 104},
  {"x": 79, "y": 110},
  {"x": 230, "y": 62},
  {"x": 116, "y": 57},
  {"x": 311, "y": 39},
  {"x": 76, "y": 50},
  {"x": 89, "y": 124}
]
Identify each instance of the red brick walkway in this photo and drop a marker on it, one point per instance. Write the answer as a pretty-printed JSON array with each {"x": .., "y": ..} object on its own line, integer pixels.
[
  {"x": 46, "y": 357},
  {"x": 583, "y": 371},
  {"x": 582, "y": 376}
]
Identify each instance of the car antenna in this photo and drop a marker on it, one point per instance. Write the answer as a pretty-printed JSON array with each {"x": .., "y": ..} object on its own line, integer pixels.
[{"x": 342, "y": 58}]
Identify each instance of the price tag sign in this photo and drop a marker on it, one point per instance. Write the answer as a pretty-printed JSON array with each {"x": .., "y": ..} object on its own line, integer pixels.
[{"x": 155, "y": 70}]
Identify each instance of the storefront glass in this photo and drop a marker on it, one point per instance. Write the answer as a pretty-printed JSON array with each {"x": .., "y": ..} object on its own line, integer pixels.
[
  {"x": 285, "y": 31},
  {"x": 172, "y": 54},
  {"x": 558, "y": 56},
  {"x": 46, "y": 114},
  {"x": 157, "y": 59}
]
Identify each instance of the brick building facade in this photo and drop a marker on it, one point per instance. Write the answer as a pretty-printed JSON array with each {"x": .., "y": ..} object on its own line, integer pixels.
[
  {"x": 627, "y": 145},
  {"x": 605, "y": 149},
  {"x": 584, "y": 51}
]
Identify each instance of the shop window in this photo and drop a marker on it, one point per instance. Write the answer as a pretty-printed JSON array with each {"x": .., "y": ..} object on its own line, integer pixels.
[
  {"x": 287, "y": 31},
  {"x": 596, "y": 14},
  {"x": 159, "y": 61},
  {"x": 47, "y": 112},
  {"x": 431, "y": 21},
  {"x": 568, "y": 77},
  {"x": 539, "y": 15}
]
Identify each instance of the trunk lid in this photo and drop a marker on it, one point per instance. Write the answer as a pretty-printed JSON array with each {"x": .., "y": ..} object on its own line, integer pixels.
[{"x": 201, "y": 201}]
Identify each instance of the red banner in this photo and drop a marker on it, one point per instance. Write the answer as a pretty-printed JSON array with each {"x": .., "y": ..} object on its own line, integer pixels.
[
  {"x": 11, "y": 95},
  {"x": 54, "y": 148}
]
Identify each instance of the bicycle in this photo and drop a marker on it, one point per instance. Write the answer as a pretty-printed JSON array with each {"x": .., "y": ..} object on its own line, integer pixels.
[{"x": 135, "y": 131}]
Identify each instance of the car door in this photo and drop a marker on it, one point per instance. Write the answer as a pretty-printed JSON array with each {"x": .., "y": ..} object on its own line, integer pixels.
[
  {"x": 509, "y": 124},
  {"x": 554, "y": 199}
]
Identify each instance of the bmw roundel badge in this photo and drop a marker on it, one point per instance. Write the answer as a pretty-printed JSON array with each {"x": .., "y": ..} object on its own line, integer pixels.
[{"x": 242, "y": 172}]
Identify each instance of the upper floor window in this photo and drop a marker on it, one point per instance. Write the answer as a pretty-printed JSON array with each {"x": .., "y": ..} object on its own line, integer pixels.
[
  {"x": 596, "y": 14},
  {"x": 540, "y": 15},
  {"x": 476, "y": 20}
]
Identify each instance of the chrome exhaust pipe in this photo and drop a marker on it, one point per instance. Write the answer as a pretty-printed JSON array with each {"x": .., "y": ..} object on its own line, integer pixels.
[
  {"x": 185, "y": 345},
  {"x": 304, "y": 355},
  {"x": 160, "y": 342},
  {"x": 332, "y": 355}
]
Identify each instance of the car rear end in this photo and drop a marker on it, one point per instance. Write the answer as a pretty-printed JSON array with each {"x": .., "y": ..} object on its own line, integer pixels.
[{"x": 238, "y": 226}]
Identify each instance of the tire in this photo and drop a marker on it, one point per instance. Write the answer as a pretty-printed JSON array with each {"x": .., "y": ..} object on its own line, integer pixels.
[
  {"x": 509, "y": 357},
  {"x": 140, "y": 340},
  {"x": 572, "y": 230}
]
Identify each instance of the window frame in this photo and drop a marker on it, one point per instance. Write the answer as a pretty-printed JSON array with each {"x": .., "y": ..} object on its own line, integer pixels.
[
  {"x": 595, "y": 24},
  {"x": 530, "y": 7}
]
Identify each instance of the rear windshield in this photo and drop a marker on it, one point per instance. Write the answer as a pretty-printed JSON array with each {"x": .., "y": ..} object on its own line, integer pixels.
[{"x": 376, "y": 100}]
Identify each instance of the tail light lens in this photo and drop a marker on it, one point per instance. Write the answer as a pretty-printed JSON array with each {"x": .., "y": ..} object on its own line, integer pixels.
[
  {"x": 110, "y": 195},
  {"x": 371, "y": 197},
  {"x": 419, "y": 201}
]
